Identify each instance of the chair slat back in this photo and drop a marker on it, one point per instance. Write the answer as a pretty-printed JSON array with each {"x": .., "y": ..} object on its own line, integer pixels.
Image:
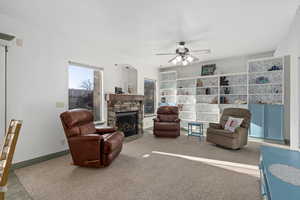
[{"x": 8, "y": 149}]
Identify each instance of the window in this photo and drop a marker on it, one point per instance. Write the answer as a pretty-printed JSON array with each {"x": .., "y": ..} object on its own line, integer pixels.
[
  {"x": 85, "y": 89},
  {"x": 150, "y": 96}
]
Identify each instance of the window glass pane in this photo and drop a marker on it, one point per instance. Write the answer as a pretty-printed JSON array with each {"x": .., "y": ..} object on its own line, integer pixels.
[
  {"x": 85, "y": 89},
  {"x": 149, "y": 92}
]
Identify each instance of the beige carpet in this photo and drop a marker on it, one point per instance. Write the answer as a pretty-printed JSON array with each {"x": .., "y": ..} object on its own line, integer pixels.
[{"x": 152, "y": 169}]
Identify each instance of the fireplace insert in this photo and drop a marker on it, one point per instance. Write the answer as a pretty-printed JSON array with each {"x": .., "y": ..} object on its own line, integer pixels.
[{"x": 127, "y": 122}]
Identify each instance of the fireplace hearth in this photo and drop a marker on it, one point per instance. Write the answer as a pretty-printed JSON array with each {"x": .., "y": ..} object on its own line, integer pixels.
[{"x": 127, "y": 122}]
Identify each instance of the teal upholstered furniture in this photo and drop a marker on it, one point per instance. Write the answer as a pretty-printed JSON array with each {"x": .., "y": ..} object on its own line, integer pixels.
[{"x": 274, "y": 187}]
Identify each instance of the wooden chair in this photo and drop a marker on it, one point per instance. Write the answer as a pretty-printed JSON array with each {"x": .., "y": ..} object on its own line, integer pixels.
[{"x": 7, "y": 154}]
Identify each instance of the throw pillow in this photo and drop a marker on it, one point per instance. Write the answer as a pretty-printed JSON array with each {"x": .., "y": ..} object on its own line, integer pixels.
[{"x": 233, "y": 123}]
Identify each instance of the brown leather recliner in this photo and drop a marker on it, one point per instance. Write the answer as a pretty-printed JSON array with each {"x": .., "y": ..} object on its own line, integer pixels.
[
  {"x": 217, "y": 135},
  {"x": 167, "y": 123},
  {"x": 90, "y": 147}
]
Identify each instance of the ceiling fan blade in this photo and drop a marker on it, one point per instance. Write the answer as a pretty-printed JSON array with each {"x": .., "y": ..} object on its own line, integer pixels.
[
  {"x": 196, "y": 59},
  {"x": 172, "y": 59},
  {"x": 204, "y": 51},
  {"x": 165, "y": 54}
]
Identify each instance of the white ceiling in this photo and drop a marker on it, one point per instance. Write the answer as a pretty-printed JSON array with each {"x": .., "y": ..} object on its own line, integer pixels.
[{"x": 143, "y": 27}]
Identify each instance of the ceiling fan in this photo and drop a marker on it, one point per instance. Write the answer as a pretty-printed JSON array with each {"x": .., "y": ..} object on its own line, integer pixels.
[{"x": 183, "y": 54}]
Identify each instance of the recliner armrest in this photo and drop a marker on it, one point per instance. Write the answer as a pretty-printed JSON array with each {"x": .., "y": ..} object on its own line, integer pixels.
[
  {"x": 85, "y": 149},
  {"x": 177, "y": 120},
  {"x": 215, "y": 125},
  {"x": 242, "y": 135},
  {"x": 241, "y": 131},
  {"x": 88, "y": 137},
  {"x": 112, "y": 141},
  {"x": 105, "y": 130}
]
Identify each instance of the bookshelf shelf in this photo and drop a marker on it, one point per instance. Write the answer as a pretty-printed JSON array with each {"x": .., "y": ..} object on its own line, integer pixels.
[
  {"x": 266, "y": 86},
  {"x": 266, "y": 72},
  {"x": 265, "y": 94},
  {"x": 244, "y": 85},
  {"x": 233, "y": 94}
]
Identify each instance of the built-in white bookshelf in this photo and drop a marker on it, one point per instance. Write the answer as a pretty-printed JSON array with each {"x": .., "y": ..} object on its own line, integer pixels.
[
  {"x": 186, "y": 95},
  {"x": 207, "y": 100},
  {"x": 233, "y": 89},
  {"x": 203, "y": 98},
  {"x": 266, "y": 81},
  {"x": 167, "y": 86}
]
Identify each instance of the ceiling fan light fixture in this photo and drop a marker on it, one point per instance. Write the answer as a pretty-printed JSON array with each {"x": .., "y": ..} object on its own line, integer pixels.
[
  {"x": 185, "y": 62},
  {"x": 183, "y": 54},
  {"x": 178, "y": 59},
  {"x": 190, "y": 59},
  {"x": 174, "y": 61}
]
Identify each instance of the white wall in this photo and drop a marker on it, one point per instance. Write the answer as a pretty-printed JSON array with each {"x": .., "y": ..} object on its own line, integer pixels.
[
  {"x": 129, "y": 78},
  {"x": 2, "y": 89},
  {"x": 148, "y": 122},
  {"x": 38, "y": 79},
  {"x": 290, "y": 45}
]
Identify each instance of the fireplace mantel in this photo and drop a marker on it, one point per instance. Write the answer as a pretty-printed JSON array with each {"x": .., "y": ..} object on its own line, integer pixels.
[
  {"x": 117, "y": 103},
  {"x": 123, "y": 97}
]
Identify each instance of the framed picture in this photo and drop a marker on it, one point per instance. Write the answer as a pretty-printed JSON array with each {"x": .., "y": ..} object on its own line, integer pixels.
[{"x": 208, "y": 69}]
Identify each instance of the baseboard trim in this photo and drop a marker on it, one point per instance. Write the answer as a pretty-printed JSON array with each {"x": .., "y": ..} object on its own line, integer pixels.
[{"x": 33, "y": 161}]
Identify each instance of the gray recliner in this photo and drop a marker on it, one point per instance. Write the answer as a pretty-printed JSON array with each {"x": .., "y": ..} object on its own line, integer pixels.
[{"x": 217, "y": 135}]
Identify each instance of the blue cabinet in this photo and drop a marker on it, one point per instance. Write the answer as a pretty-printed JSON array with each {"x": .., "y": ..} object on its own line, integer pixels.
[
  {"x": 274, "y": 122},
  {"x": 257, "y": 120},
  {"x": 267, "y": 121}
]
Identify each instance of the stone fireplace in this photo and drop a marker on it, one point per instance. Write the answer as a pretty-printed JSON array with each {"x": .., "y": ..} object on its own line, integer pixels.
[{"x": 126, "y": 113}]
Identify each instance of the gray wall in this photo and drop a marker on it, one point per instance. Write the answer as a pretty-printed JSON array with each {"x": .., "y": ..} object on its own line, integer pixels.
[{"x": 2, "y": 94}]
